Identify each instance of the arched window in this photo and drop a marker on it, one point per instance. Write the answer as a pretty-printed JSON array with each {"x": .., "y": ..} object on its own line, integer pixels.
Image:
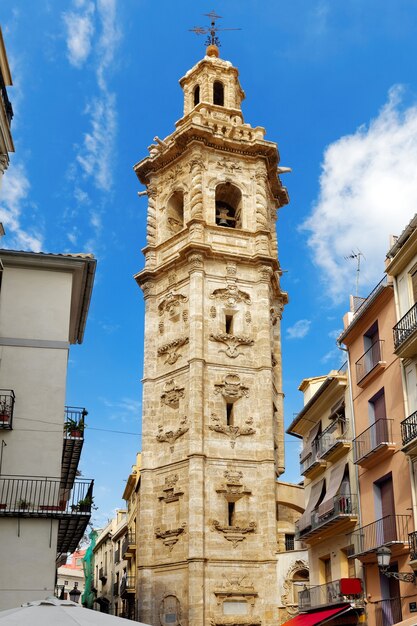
[
  {"x": 299, "y": 581},
  {"x": 196, "y": 95},
  {"x": 228, "y": 206},
  {"x": 175, "y": 212},
  {"x": 218, "y": 93}
]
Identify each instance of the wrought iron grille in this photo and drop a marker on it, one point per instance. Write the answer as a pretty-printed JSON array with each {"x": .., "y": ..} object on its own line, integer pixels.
[
  {"x": 369, "y": 360},
  {"x": 412, "y": 540},
  {"x": 405, "y": 327},
  {"x": 386, "y": 530},
  {"x": 127, "y": 584},
  {"x": 324, "y": 595},
  {"x": 7, "y": 399},
  {"x": 74, "y": 423},
  {"x": 380, "y": 432},
  {"x": 44, "y": 497},
  {"x": 409, "y": 428},
  {"x": 343, "y": 505}
]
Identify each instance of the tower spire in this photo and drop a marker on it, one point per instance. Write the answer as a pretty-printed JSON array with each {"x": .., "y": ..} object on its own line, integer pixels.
[{"x": 212, "y": 42}]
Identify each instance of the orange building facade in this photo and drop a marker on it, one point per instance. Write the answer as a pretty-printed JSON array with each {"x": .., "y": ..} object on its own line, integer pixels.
[{"x": 383, "y": 477}]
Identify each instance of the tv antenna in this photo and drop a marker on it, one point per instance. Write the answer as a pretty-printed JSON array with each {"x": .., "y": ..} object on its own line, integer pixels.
[
  {"x": 356, "y": 255},
  {"x": 212, "y": 30}
]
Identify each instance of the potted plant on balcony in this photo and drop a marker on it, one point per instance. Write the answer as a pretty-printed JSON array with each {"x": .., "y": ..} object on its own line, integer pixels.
[
  {"x": 74, "y": 428},
  {"x": 4, "y": 412},
  {"x": 23, "y": 504},
  {"x": 84, "y": 505}
]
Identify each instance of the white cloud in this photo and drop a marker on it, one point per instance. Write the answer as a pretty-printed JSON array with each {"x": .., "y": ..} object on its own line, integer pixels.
[
  {"x": 80, "y": 30},
  {"x": 368, "y": 190},
  {"x": 299, "y": 329},
  {"x": 14, "y": 201}
]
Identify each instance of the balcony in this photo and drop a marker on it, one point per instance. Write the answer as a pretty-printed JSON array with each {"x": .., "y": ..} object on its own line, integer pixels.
[
  {"x": 388, "y": 612},
  {"x": 374, "y": 444},
  {"x": 332, "y": 445},
  {"x": 341, "y": 519},
  {"x": 127, "y": 586},
  {"x": 405, "y": 335},
  {"x": 370, "y": 364},
  {"x": 129, "y": 546},
  {"x": 312, "y": 465},
  {"x": 73, "y": 443},
  {"x": 7, "y": 399},
  {"x": 409, "y": 433},
  {"x": 116, "y": 588},
  {"x": 412, "y": 541},
  {"x": 331, "y": 594},
  {"x": 5, "y": 99},
  {"x": 102, "y": 575},
  {"x": 47, "y": 498},
  {"x": 391, "y": 530}
]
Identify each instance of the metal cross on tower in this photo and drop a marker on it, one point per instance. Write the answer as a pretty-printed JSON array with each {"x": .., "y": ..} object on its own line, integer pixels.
[{"x": 212, "y": 38}]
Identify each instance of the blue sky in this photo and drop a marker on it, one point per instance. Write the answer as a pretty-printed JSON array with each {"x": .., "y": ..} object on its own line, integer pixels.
[{"x": 333, "y": 82}]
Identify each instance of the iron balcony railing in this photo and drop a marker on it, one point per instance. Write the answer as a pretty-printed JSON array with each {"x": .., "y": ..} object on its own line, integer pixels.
[
  {"x": 7, "y": 399},
  {"x": 405, "y": 327},
  {"x": 388, "y": 612},
  {"x": 412, "y": 540},
  {"x": 129, "y": 540},
  {"x": 409, "y": 428},
  {"x": 127, "y": 585},
  {"x": 311, "y": 459},
  {"x": 335, "y": 592},
  {"x": 379, "y": 433},
  {"x": 386, "y": 530},
  {"x": 74, "y": 423},
  {"x": 329, "y": 439},
  {"x": 5, "y": 98},
  {"x": 343, "y": 505},
  {"x": 44, "y": 497},
  {"x": 369, "y": 360},
  {"x": 102, "y": 574}
]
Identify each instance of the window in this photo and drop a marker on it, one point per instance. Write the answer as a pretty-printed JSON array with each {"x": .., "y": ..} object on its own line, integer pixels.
[
  {"x": 218, "y": 93},
  {"x": 175, "y": 212},
  {"x": 289, "y": 542},
  {"x": 231, "y": 513},
  {"x": 228, "y": 206},
  {"x": 196, "y": 95},
  {"x": 378, "y": 417},
  {"x": 229, "y": 414},
  {"x": 229, "y": 324},
  {"x": 325, "y": 569}
]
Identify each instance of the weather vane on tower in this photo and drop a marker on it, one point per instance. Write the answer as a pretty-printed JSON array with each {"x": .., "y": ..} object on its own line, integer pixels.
[{"x": 212, "y": 30}]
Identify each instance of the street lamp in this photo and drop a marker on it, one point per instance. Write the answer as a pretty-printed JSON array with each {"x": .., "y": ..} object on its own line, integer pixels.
[
  {"x": 74, "y": 594},
  {"x": 383, "y": 555}
]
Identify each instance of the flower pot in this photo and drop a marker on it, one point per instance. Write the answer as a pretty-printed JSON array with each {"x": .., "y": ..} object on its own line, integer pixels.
[
  {"x": 76, "y": 433},
  {"x": 4, "y": 417}
]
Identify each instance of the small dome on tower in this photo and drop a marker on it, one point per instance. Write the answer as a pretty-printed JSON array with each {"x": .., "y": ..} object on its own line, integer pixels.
[{"x": 212, "y": 51}]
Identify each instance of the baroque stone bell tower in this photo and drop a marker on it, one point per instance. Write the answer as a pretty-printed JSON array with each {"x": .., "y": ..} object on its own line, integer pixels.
[{"x": 212, "y": 444}]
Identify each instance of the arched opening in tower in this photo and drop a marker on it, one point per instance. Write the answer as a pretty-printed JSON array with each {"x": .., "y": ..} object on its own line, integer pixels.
[
  {"x": 196, "y": 95},
  {"x": 218, "y": 93},
  {"x": 228, "y": 206},
  {"x": 175, "y": 211}
]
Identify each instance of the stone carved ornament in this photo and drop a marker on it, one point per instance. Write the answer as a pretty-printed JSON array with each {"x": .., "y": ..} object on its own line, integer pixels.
[
  {"x": 172, "y": 394},
  {"x": 231, "y": 295},
  {"x": 232, "y": 343},
  {"x": 171, "y": 350},
  {"x": 171, "y": 436},
  {"x": 287, "y": 597},
  {"x": 233, "y": 432},
  {"x": 231, "y": 388},
  {"x": 170, "y": 537},
  {"x": 171, "y": 493},
  {"x": 234, "y": 534},
  {"x": 232, "y": 488},
  {"x": 234, "y": 589}
]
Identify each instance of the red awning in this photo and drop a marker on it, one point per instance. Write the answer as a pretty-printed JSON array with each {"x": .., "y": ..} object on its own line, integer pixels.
[{"x": 310, "y": 619}]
